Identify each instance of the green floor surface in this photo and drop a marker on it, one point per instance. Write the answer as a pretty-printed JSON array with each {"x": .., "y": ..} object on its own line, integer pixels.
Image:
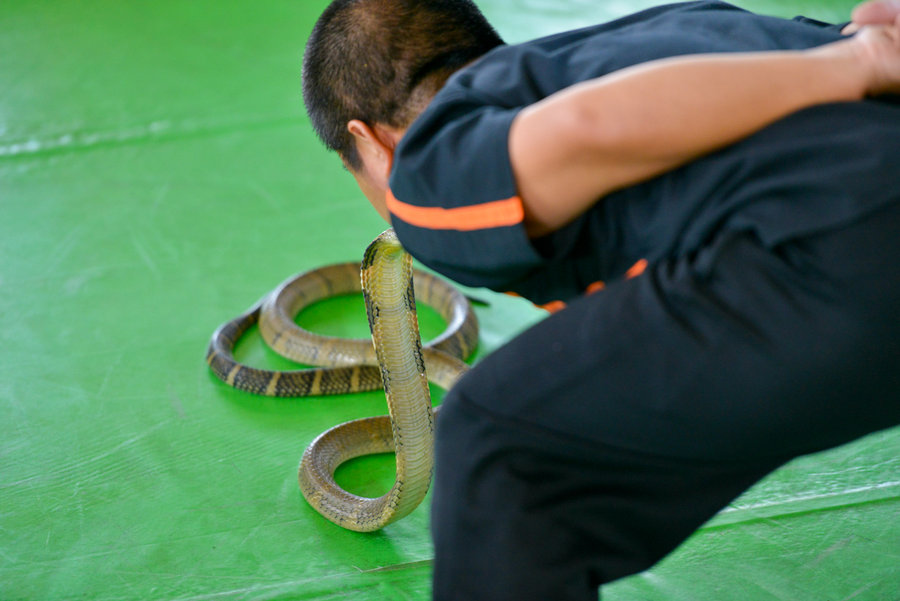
[{"x": 157, "y": 176}]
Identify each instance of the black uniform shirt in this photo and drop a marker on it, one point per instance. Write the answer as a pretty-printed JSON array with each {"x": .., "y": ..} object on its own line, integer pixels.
[{"x": 454, "y": 203}]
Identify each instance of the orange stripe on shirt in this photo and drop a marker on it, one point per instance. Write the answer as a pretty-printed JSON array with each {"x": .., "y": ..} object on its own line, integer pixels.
[
  {"x": 553, "y": 306},
  {"x": 497, "y": 213},
  {"x": 636, "y": 269},
  {"x": 595, "y": 287}
]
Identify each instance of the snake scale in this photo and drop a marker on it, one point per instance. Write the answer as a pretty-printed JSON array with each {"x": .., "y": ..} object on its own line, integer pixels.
[{"x": 394, "y": 358}]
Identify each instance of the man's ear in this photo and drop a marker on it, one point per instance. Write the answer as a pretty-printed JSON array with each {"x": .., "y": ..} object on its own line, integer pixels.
[{"x": 375, "y": 146}]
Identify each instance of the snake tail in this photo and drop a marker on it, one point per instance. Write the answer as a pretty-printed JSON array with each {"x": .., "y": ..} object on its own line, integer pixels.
[{"x": 290, "y": 383}]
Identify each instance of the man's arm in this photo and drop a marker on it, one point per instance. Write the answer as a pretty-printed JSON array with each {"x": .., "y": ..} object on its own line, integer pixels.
[{"x": 591, "y": 139}]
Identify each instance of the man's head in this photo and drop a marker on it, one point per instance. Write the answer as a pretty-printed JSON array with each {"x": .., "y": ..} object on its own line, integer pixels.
[{"x": 379, "y": 63}]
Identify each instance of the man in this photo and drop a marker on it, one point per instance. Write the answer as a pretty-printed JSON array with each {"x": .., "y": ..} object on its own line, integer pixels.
[{"x": 730, "y": 182}]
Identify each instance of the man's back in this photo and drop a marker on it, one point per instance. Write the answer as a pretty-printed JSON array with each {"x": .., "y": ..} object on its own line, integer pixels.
[{"x": 809, "y": 172}]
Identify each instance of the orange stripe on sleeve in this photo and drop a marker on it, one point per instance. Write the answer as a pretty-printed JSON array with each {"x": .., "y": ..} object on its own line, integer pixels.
[{"x": 497, "y": 213}]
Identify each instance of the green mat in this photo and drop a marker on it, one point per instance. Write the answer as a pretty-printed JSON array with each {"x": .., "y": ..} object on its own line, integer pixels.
[{"x": 157, "y": 176}]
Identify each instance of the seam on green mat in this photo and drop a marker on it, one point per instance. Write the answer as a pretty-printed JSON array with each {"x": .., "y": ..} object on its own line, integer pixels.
[
  {"x": 157, "y": 131},
  {"x": 869, "y": 495},
  {"x": 400, "y": 566},
  {"x": 335, "y": 586}
]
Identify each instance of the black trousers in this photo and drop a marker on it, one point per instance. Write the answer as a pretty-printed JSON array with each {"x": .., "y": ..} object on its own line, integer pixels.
[{"x": 594, "y": 443}]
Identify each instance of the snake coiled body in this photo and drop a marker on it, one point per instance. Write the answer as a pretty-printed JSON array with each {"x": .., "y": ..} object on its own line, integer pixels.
[{"x": 396, "y": 360}]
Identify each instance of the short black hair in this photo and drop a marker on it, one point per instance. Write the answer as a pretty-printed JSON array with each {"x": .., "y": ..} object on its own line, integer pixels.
[{"x": 382, "y": 61}]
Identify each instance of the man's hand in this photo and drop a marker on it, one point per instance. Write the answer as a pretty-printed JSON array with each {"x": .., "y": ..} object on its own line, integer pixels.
[
  {"x": 879, "y": 48},
  {"x": 873, "y": 12},
  {"x": 876, "y": 12}
]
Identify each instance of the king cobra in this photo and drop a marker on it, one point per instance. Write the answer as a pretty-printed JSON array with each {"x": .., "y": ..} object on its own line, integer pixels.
[{"x": 394, "y": 359}]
